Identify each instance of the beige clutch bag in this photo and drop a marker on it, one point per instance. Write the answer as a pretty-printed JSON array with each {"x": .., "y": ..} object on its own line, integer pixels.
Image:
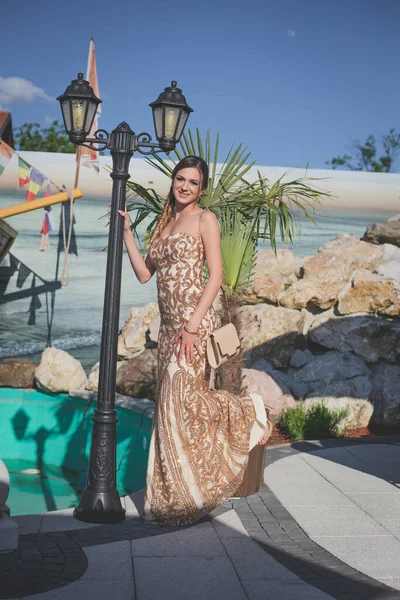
[{"x": 222, "y": 344}]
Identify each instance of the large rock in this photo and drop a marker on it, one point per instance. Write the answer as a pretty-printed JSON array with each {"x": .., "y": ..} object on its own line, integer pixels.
[
  {"x": 300, "y": 358},
  {"x": 390, "y": 265},
  {"x": 335, "y": 374},
  {"x": 385, "y": 394},
  {"x": 339, "y": 381},
  {"x": 372, "y": 338},
  {"x": 273, "y": 395},
  {"x": 383, "y": 233},
  {"x": 371, "y": 293},
  {"x": 136, "y": 330},
  {"x": 359, "y": 411},
  {"x": 311, "y": 293},
  {"x": 93, "y": 379},
  {"x": 58, "y": 371},
  {"x": 286, "y": 382},
  {"x": 344, "y": 239},
  {"x": 326, "y": 273},
  {"x": 273, "y": 273},
  {"x": 17, "y": 372},
  {"x": 137, "y": 377},
  {"x": 269, "y": 332}
]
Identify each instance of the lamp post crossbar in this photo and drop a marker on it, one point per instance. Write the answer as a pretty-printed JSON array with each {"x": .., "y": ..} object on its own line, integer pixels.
[{"x": 141, "y": 143}]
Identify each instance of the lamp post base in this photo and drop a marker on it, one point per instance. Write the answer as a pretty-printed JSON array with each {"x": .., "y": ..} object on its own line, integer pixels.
[{"x": 98, "y": 507}]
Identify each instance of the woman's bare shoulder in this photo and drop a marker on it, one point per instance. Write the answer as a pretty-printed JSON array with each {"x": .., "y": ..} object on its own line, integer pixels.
[{"x": 208, "y": 218}]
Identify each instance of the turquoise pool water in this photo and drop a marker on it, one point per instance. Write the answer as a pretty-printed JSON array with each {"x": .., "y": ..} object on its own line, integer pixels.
[
  {"x": 45, "y": 444},
  {"x": 33, "y": 491}
]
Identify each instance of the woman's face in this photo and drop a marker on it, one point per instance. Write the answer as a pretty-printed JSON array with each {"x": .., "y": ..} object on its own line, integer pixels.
[{"x": 186, "y": 186}]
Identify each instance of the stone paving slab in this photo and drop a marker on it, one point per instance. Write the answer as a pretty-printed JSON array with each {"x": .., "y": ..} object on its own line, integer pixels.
[
  {"x": 111, "y": 562},
  {"x": 347, "y": 472},
  {"x": 392, "y": 526},
  {"x": 379, "y": 506},
  {"x": 336, "y": 521},
  {"x": 199, "y": 541},
  {"x": 294, "y": 469},
  {"x": 296, "y": 482},
  {"x": 252, "y": 563},
  {"x": 84, "y": 590},
  {"x": 229, "y": 527},
  {"x": 165, "y": 578},
  {"x": 288, "y": 590},
  {"x": 63, "y": 520},
  {"x": 306, "y": 494},
  {"x": 28, "y": 523},
  {"x": 377, "y": 556},
  {"x": 375, "y": 453}
]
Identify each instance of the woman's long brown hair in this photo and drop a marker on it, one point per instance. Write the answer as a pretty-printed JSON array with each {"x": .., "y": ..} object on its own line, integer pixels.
[{"x": 189, "y": 162}]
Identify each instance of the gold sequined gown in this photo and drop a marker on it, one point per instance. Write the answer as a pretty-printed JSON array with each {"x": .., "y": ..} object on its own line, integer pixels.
[{"x": 201, "y": 439}]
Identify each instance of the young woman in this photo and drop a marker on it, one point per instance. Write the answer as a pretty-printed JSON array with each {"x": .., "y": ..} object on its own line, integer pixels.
[{"x": 201, "y": 439}]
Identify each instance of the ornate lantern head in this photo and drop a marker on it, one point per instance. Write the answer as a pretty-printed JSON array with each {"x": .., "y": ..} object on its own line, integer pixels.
[
  {"x": 78, "y": 105},
  {"x": 170, "y": 114}
]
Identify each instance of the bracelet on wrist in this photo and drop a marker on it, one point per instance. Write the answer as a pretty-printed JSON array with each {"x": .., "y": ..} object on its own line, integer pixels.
[{"x": 189, "y": 331}]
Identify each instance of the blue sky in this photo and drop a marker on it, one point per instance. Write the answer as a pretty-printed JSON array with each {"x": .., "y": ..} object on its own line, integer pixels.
[{"x": 293, "y": 80}]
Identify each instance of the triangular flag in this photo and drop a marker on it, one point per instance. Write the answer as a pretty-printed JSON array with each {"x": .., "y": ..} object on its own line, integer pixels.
[
  {"x": 90, "y": 158},
  {"x": 47, "y": 226},
  {"x": 23, "y": 274},
  {"x": 48, "y": 189},
  {"x": 23, "y": 172},
  {"x": 6, "y": 153},
  {"x": 36, "y": 181}
]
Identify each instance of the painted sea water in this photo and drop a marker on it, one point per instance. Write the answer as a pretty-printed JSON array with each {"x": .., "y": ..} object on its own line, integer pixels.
[{"x": 35, "y": 311}]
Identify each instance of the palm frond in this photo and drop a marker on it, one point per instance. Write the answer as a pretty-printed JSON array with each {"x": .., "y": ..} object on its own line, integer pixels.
[
  {"x": 238, "y": 248},
  {"x": 147, "y": 206},
  {"x": 275, "y": 208}
]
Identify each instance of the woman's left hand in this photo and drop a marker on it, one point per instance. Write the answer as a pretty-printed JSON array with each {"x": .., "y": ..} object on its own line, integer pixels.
[{"x": 189, "y": 343}]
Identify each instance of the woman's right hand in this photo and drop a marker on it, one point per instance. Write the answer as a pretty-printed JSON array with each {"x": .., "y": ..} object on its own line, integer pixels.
[{"x": 127, "y": 222}]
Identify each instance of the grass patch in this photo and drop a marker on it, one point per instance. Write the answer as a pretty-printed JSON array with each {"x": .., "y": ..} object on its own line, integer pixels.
[{"x": 317, "y": 422}]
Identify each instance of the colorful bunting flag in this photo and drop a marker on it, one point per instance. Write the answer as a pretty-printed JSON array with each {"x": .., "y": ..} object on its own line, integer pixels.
[
  {"x": 6, "y": 153},
  {"x": 91, "y": 157},
  {"x": 23, "y": 172},
  {"x": 48, "y": 189},
  {"x": 36, "y": 181},
  {"x": 47, "y": 226}
]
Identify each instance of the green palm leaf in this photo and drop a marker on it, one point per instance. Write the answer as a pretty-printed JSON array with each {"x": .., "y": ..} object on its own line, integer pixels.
[{"x": 238, "y": 249}]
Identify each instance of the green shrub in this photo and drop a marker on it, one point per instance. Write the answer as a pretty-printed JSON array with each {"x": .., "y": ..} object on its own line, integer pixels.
[
  {"x": 323, "y": 422},
  {"x": 293, "y": 422},
  {"x": 318, "y": 421}
]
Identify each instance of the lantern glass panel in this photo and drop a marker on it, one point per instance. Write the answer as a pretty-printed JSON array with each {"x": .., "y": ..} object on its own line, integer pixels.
[
  {"x": 158, "y": 121},
  {"x": 181, "y": 125},
  {"x": 66, "y": 111},
  {"x": 90, "y": 116},
  {"x": 171, "y": 120},
  {"x": 78, "y": 112}
]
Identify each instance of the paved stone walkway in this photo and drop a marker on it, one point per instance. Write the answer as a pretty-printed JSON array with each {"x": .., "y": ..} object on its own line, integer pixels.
[{"x": 326, "y": 526}]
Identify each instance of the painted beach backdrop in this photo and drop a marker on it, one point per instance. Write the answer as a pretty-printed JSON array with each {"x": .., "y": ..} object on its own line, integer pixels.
[{"x": 70, "y": 317}]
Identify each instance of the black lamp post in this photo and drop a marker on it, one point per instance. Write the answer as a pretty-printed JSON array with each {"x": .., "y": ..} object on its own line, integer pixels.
[{"x": 100, "y": 501}]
